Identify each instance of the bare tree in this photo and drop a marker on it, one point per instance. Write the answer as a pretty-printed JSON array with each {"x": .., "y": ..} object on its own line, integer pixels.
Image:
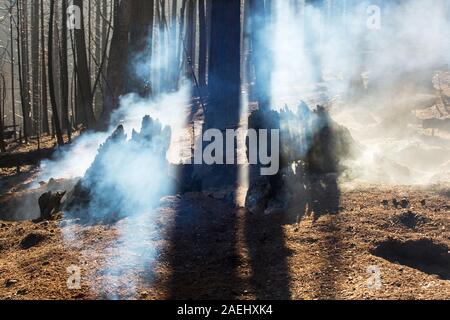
[
  {"x": 202, "y": 56},
  {"x": 64, "y": 73},
  {"x": 22, "y": 53},
  {"x": 13, "y": 82},
  {"x": 35, "y": 65},
  {"x": 2, "y": 105},
  {"x": 140, "y": 46},
  {"x": 82, "y": 70},
  {"x": 190, "y": 42},
  {"x": 261, "y": 52},
  {"x": 56, "y": 124},
  {"x": 44, "y": 87},
  {"x": 224, "y": 65},
  {"x": 118, "y": 60}
]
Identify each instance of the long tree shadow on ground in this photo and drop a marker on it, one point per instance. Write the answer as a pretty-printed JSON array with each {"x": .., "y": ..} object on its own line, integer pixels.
[
  {"x": 268, "y": 255},
  {"x": 206, "y": 247},
  {"x": 202, "y": 254}
]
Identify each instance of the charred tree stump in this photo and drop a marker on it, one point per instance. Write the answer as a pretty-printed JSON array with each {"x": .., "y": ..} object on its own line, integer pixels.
[
  {"x": 312, "y": 147},
  {"x": 99, "y": 197}
]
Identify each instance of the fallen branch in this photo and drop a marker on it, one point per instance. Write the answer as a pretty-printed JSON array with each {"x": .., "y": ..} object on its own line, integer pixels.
[{"x": 12, "y": 160}]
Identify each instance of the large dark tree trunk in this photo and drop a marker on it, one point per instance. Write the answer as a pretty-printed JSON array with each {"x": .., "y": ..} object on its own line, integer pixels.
[
  {"x": 261, "y": 11},
  {"x": 13, "y": 81},
  {"x": 223, "y": 110},
  {"x": 202, "y": 55},
  {"x": 64, "y": 74},
  {"x": 23, "y": 62},
  {"x": 35, "y": 64},
  {"x": 82, "y": 69},
  {"x": 173, "y": 46},
  {"x": 44, "y": 88},
  {"x": 140, "y": 47},
  {"x": 118, "y": 60},
  {"x": 98, "y": 49},
  {"x": 190, "y": 40},
  {"x": 56, "y": 124},
  {"x": 224, "y": 65}
]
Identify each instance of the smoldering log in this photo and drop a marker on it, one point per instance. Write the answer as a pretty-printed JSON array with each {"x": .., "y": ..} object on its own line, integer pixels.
[
  {"x": 50, "y": 203},
  {"x": 11, "y": 160}
]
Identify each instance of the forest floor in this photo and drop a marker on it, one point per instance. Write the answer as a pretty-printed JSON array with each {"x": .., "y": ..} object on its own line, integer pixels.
[
  {"x": 205, "y": 248},
  {"x": 208, "y": 249}
]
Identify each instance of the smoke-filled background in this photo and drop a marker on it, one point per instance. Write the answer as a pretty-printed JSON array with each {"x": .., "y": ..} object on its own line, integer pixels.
[{"x": 373, "y": 64}]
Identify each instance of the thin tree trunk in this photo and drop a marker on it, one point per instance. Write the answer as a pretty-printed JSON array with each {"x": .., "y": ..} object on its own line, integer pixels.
[
  {"x": 182, "y": 33},
  {"x": 2, "y": 104},
  {"x": 165, "y": 33},
  {"x": 56, "y": 124},
  {"x": 35, "y": 64},
  {"x": 64, "y": 74},
  {"x": 173, "y": 46},
  {"x": 105, "y": 40},
  {"x": 22, "y": 32},
  {"x": 202, "y": 57},
  {"x": 82, "y": 69},
  {"x": 44, "y": 87},
  {"x": 57, "y": 60},
  {"x": 190, "y": 39},
  {"x": 89, "y": 39},
  {"x": 98, "y": 49},
  {"x": 13, "y": 83}
]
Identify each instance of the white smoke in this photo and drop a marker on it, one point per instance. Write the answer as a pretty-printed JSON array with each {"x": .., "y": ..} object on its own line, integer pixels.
[
  {"x": 170, "y": 109},
  {"x": 370, "y": 73}
]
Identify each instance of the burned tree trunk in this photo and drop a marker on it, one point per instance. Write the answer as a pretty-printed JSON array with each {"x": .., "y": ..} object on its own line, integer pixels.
[
  {"x": 224, "y": 65},
  {"x": 35, "y": 65},
  {"x": 82, "y": 70},
  {"x": 64, "y": 74},
  {"x": 23, "y": 63},
  {"x": 2, "y": 104},
  {"x": 140, "y": 47},
  {"x": 190, "y": 42},
  {"x": 52, "y": 84},
  {"x": 118, "y": 60},
  {"x": 261, "y": 54},
  {"x": 202, "y": 55},
  {"x": 312, "y": 148},
  {"x": 44, "y": 88}
]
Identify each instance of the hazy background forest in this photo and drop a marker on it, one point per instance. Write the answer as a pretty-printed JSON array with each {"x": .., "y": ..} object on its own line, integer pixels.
[{"x": 63, "y": 80}]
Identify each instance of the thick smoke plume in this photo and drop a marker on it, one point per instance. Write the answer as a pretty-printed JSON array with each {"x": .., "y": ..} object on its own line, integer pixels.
[
  {"x": 372, "y": 64},
  {"x": 126, "y": 181},
  {"x": 126, "y": 175}
]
